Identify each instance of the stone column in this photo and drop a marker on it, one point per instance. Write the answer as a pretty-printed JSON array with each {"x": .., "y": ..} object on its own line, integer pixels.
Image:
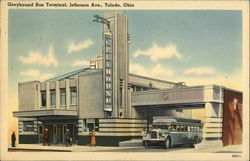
[
  {"x": 38, "y": 96},
  {"x": 67, "y": 94},
  {"x": 57, "y": 95},
  {"x": 128, "y": 109},
  {"x": 47, "y": 95},
  {"x": 212, "y": 129}
]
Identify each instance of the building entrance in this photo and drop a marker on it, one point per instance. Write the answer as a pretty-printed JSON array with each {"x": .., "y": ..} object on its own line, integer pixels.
[{"x": 57, "y": 132}]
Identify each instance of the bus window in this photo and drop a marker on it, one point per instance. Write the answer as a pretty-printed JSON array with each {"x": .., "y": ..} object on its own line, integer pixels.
[
  {"x": 173, "y": 128},
  {"x": 185, "y": 128},
  {"x": 189, "y": 129}
]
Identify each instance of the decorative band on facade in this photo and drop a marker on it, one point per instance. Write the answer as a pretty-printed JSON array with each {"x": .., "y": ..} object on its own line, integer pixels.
[
  {"x": 213, "y": 124},
  {"x": 212, "y": 134},
  {"x": 213, "y": 119},
  {"x": 122, "y": 121},
  {"x": 206, "y": 130},
  {"x": 211, "y": 138},
  {"x": 113, "y": 134},
  {"x": 120, "y": 129},
  {"x": 121, "y": 125}
]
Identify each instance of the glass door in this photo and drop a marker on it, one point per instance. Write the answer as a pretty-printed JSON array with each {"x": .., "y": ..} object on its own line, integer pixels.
[
  {"x": 59, "y": 133},
  {"x": 40, "y": 133}
]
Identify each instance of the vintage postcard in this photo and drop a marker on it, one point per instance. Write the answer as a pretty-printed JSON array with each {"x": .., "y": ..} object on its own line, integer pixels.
[{"x": 124, "y": 80}]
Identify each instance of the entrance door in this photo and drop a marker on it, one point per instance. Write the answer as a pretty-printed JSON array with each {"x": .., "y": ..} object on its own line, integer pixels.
[
  {"x": 59, "y": 133},
  {"x": 50, "y": 132},
  {"x": 40, "y": 133}
]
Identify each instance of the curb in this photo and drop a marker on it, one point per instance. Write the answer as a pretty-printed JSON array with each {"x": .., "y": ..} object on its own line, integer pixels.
[{"x": 52, "y": 150}]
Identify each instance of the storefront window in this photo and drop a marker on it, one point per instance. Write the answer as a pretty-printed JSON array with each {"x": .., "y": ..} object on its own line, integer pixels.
[{"x": 28, "y": 126}]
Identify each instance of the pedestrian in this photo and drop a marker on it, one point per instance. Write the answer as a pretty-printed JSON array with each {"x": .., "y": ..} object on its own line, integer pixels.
[
  {"x": 67, "y": 138},
  {"x": 46, "y": 137},
  {"x": 92, "y": 138},
  {"x": 13, "y": 139}
]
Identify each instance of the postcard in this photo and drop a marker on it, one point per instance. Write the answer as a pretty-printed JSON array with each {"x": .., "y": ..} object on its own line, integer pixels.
[{"x": 124, "y": 80}]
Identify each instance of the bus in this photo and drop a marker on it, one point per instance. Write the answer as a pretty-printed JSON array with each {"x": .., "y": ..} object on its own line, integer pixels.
[{"x": 170, "y": 131}]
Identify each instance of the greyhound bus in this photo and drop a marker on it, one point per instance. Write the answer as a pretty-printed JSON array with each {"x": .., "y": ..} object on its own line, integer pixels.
[{"x": 169, "y": 131}]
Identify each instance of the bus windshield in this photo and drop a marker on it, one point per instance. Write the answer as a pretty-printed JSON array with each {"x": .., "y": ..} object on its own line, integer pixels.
[{"x": 161, "y": 127}]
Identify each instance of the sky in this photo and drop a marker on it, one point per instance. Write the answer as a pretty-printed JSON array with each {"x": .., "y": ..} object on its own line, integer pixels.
[{"x": 195, "y": 47}]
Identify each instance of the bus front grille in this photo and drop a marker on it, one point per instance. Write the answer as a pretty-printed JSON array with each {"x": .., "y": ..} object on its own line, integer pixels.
[{"x": 153, "y": 134}]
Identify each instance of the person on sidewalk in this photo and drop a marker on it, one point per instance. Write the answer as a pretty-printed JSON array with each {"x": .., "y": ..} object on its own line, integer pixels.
[
  {"x": 13, "y": 139},
  {"x": 92, "y": 138},
  {"x": 67, "y": 138},
  {"x": 46, "y": 138}
]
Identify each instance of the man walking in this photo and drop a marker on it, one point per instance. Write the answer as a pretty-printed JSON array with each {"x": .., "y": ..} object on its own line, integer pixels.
[
  {"x": 67, "y": 138},
  {"x": 13, "y": 139}
]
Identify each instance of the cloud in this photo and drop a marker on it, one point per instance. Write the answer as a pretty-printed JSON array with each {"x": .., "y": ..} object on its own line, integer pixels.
[
  {"x": 137, "y": 69},
  {"x": 155, "y": 72},
  {"x": 35, "y": 57},
  {"x": 80, "y": 63},
  {"x": 199, "y": 71},
  {"x": 36, "y": 74},
  {"x": 31, "y": 73},
  {"x": 160, "y": 72},
  {"x": 46, "y": 76},
  {"x": 156, "y": 52},
  {"x": 73, "y": 47}
]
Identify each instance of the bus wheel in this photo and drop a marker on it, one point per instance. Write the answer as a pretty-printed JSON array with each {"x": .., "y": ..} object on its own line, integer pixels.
[
  {"x": 146, "y": 145},
  {"x": 167, "y": 143}
]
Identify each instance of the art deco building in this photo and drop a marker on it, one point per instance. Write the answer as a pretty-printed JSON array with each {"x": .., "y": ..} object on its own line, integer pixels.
[{"x": 114, "y": 103}]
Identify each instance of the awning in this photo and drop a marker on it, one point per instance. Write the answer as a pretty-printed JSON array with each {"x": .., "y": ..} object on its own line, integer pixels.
[{"x": 49, "y": 112}]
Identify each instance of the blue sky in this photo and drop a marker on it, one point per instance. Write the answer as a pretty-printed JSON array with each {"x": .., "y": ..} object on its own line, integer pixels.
[{"x": 197, "y": 47}]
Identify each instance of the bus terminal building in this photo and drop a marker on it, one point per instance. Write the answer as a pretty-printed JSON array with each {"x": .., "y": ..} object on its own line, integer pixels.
[{"x": 119, "y": 105}]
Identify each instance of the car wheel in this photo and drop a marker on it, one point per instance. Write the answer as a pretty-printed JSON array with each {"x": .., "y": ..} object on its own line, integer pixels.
[{"x": 167, "y": 143}]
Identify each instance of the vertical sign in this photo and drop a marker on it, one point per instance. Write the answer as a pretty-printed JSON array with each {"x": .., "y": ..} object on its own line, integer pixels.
[{"x": 108, "y": 49}]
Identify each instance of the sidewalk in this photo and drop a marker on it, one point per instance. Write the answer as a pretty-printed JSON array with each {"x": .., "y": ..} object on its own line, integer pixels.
[{"x": 78, "y": 148}]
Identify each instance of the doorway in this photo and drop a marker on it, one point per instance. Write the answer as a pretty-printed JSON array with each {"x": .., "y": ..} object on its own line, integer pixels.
[{"x": 56, "y": 132}]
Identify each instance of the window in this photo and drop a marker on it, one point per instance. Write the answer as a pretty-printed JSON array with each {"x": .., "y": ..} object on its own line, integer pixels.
[
  {"x": 73, "y": 96},
  {"x": 52, "y": 97},
  {"x": 28, "y": 126},
  {"x": 43, "y": 98},
  {"x": 84, "y": 128},
  {"x": 62, "y": 96},
  {"x": 96, "y": 125}
]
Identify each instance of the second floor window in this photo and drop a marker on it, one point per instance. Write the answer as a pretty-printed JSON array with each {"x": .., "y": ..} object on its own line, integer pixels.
[
  {"x": 73, "y": 96},
  {"x": 43, "y": 98},
  {"x": 62, "y": 96},
  {"x": 52, "y": 97}
]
